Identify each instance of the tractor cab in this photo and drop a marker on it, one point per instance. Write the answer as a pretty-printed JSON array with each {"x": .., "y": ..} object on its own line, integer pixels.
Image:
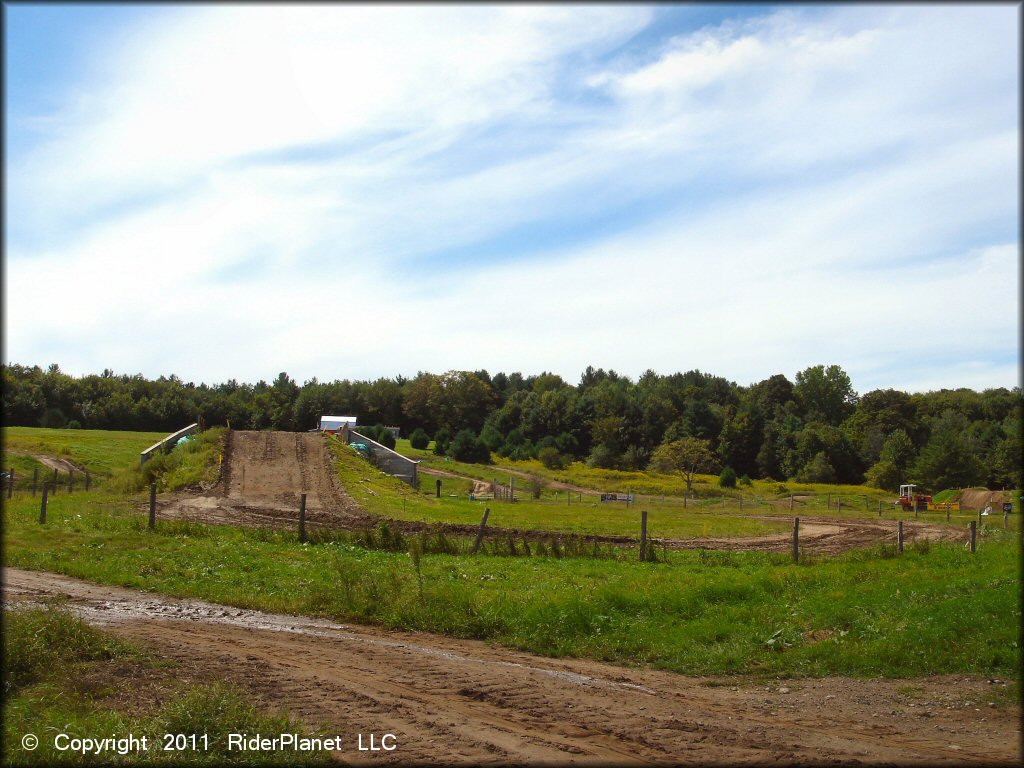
[{"x": 909, "y": 498}]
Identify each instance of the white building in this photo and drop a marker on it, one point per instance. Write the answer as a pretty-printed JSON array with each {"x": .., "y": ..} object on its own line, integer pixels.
[{"x": 332, "y": 424}]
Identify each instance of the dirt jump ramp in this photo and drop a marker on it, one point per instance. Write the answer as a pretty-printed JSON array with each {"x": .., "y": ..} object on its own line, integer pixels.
[{"x": 263, "y": 477}]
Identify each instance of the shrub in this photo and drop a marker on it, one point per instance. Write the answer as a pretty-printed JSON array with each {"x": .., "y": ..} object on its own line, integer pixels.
[
  {"x": 817, "y": 470},
  {"x": 419, "y": 439},
  {"x": 745, "y": 480},
  {"x": 552, "y": 459},
  {"x": 468, "y": 447},
  {"x": 441, "y": 439},
  {"x": 372, "y": 432},
  {"x": 517, "y": 446},
  {"x": 492, "y": 437},
  {"x": 727, "y": 478},
  {"x": 386, "y": 438},
  {"x": 604, "y": 457}
]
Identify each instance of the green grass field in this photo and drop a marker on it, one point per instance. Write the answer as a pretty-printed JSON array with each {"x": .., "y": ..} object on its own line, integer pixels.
[
  {"x": 935, "y": 609},
  {"x": 650, "y": 485},
  {"x": 100, "y": 451},
  {"x": 388, "y": 497}
]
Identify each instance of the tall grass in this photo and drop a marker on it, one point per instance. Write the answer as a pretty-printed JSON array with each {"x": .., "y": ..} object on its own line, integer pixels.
[
  {"x": 63, "y": 676},
  {"x": 190, "y": 464},
  {"x": 931, "y": 610}
]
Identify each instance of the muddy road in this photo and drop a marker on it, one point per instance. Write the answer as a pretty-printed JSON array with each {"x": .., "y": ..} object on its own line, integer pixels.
[{"x": 458, "y": 701}]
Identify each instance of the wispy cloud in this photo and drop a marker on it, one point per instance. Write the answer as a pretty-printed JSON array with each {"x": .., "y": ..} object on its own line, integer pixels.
[{"x": 362, "y": 191}]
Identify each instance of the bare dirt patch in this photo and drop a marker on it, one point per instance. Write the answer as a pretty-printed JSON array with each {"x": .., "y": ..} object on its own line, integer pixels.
[
  {"x": 53, "y": 462},
  {"x": 979, "y": 498},
  {"x": 449, "y": 700},
  {"x": 263, "y": 477}
]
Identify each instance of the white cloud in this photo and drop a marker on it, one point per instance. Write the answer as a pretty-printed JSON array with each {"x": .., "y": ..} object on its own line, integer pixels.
[{"x": 809, "y": 170}]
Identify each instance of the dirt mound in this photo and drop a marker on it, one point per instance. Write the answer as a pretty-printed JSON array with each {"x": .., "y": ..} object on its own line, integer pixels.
[
  {"x": 264, "y": 476},
  {"x": 979, "y": 498}
]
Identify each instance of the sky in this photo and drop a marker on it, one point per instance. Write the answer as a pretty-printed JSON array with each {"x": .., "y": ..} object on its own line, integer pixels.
[{"x": 356, "y": 191}]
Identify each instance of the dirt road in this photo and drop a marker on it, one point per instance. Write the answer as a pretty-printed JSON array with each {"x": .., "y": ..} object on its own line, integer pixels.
[
  {"x": 53, "y": 462},
  {"x": 448, "y": 700}
]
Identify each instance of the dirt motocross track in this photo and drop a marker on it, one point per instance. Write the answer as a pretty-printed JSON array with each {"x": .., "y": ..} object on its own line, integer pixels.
[
  {"x": 459, "y": 701},
  {"x": 265, "y": 473}
]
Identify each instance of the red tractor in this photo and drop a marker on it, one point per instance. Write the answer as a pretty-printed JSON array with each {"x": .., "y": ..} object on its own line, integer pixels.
[{"x": 908, "y": 499}]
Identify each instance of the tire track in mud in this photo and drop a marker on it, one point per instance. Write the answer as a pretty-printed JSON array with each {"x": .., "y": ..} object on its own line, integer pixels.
[{"x": 463, "y": 701}]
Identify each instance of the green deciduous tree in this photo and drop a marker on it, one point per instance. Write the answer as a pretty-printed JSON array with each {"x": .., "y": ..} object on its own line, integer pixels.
[
  {"x": 687, "y": 457},
  {"x": 949, "y": 459},
  {"x": 825, "y": 394},
  {"x": 817, "y": 470},
  {"x": 895, "y": 460}
]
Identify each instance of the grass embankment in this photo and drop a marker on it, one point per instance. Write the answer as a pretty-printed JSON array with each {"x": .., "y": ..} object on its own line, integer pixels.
[
  {"x": 388, "y": 497},
  {"x": 61, "y": 676},
  {"x": 193, "y": 463},
  {"x": 935, "y": 609}
]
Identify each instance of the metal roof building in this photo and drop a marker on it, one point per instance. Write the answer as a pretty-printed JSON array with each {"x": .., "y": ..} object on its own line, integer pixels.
[{"x": 335, "y": 423}]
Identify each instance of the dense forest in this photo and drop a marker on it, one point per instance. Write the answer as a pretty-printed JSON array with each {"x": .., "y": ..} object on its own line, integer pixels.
[{"x": 815, "y": 428}]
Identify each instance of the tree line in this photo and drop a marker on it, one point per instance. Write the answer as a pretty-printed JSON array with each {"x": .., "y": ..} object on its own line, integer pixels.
[{"x": 815, "y": 428}]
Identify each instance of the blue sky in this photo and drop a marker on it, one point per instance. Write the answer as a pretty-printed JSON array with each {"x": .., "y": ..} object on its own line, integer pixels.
[{"x": 359, "y": 191}]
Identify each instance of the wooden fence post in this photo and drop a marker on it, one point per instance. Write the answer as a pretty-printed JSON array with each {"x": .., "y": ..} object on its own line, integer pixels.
[
  {"x": 302, "y": 518},
  {"x": 643, "y": 535},
  {"x": 796, "y": 539},
  {"x": 828, "y": 502},
  {"x": 741, "y": 502},
  {"x": 791, "y": 502},
  {"x": 899, "y": 537},
  {"x": 54, "y": 479},
  {"x": 42, "y": 508},
  {"x": 35, "y": 480},
  {"x": 879, "y": 507},
  {"x": 10, "y": 483},
  {"x": 1006, "y": 516},
  {"x": 947, "y": 514},
  {"x": 480, "y": 533},
  {"x": 974, "y": 536},
  {"x": 511, "y": 489},
  {"x": 152, "y": 506}
]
